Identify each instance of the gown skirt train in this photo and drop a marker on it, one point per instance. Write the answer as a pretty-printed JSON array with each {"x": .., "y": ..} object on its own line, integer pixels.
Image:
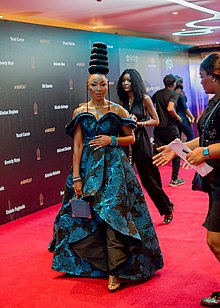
[{"x": 120, "y": 237}]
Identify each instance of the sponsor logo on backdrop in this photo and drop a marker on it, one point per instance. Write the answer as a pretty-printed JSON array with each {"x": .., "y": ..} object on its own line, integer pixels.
[
  {"x": 65, "y": 149},
  {"x": 20, "y": 87},
  {"x": 52, "y": 173},
  {"x": 80, "y": 64},
  {"x": 132, "y": 58},
  {"x": 33, "y": 64},
  {"x": 59, "y": 64},
  {"x": 16, "y": 39},
  {"x": 50, "y": 130},
  {"x": 62, "y": 193},
  {"x": 58, "y": 107},
  {"x": 110, "y": 46},
  {"x": 12, "y": 161},
  {"x": 26, "y": 181},
  {"x": 71, "y": 84},
  {"x": 2, "y": 188},
  {"x": 47, "y": 86},
  {"x": 169, "y": 64},
  {"x": 69, "y": 43},
  {"x": 38, "y": 154},
  {"x": 8, "y": 112},
  {"x": 152, "y": 63},
  {"x": 41, "y": 199},
  {"x": 42, "y": 41},
  {"x": 23, "y": 134},
  {"x": 15, "y": 209},
  {"x": 6, "y": 63},
  {"x": 35, "y": 108}
]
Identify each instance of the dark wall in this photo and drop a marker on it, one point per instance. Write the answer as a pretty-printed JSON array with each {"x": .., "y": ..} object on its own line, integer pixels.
[{"x": 43, "y": 75}]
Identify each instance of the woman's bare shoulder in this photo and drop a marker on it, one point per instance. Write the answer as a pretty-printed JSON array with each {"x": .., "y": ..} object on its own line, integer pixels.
[
  {"x": 119, "y": 110},
  {"x": 80, "y": 109}
]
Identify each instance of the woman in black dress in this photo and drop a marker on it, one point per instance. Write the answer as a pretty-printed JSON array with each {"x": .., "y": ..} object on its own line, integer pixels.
[{"x": 132, "y": 94}]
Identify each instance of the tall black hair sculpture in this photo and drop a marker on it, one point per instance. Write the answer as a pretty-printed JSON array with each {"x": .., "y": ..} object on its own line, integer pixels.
[{"x": 99, "y": 61}]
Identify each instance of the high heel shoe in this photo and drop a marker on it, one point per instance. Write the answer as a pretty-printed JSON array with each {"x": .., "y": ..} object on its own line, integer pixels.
[
  {"x": 113, "y": 283},
  {"x": 168, "y": 218},
  {"x": 212, "y": 301}
]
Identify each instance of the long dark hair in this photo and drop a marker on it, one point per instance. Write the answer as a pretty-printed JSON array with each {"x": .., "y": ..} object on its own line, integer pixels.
[
  {"x": 137, "y": 85},
  {"x": 211, "y": 65}
]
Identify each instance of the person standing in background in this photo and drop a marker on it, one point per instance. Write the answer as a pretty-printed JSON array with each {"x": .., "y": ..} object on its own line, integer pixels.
[
  {"x": 132, "y": 95},
  {"x": 167, "y": 130},
  {"x": 183, "y": 111},
  {"x": 206, "y": 148}
]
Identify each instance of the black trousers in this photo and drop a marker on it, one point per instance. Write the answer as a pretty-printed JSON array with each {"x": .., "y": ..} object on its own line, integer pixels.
[
  {"x": 149, "y": 173},
  {"x": 176, "y": 161}
]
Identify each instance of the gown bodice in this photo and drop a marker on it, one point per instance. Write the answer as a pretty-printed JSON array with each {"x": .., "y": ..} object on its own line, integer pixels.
[{"x": 109, "y": 124}]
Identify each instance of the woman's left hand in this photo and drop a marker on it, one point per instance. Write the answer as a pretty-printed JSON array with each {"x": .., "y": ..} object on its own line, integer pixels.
[
  {"x": 100, "y": 141},
  {"x": 142, "y": 124},
  {"x": 196, "y": 157}
]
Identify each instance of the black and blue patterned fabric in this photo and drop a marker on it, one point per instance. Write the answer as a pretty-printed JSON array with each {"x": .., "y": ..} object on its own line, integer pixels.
[{"x": 117, "y": 201}]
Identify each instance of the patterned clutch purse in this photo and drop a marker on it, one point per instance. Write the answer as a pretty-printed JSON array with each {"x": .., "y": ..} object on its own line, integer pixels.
[{"x": 80, "y": 208}]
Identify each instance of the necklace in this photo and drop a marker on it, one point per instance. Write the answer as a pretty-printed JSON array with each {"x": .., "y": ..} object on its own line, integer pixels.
[{"x": 130, "y": 102}]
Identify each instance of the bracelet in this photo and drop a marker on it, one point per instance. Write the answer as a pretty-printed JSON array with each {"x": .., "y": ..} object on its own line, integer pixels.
[
  {"x": 77, "y": 179},
  {"x": 114, "y": 142}
]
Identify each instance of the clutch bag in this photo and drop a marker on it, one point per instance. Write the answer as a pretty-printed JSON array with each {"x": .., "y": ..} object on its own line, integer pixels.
[{"x": 80, "y": 208}]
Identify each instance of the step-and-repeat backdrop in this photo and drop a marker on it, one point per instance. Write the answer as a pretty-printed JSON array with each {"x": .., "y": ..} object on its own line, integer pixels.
[{"x": 43, "y": 76}]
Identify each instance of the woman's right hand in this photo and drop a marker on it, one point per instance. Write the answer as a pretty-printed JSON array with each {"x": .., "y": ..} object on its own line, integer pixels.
[
  {"x": 78, "y": 188},
  {"x": 164, "y": 157}
]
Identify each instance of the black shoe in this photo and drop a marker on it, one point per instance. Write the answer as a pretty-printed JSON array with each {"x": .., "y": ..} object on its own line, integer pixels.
[
  {"x": 212, "y": 301},
  {"x": 168, "y": 218}
]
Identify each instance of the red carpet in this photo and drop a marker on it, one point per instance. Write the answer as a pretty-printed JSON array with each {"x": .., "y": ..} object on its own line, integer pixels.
[{"x": 190, "y": 271}]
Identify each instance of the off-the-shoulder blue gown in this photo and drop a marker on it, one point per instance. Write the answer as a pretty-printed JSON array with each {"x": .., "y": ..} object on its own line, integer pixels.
[{"x": 120, "y": 238}]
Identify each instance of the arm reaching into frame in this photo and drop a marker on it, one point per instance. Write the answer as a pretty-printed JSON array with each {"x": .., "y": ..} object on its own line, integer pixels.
[{"x": 164, "y": 157}]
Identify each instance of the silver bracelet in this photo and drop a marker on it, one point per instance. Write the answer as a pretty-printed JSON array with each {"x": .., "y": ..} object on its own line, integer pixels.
[{"x": 77, "y": 179}]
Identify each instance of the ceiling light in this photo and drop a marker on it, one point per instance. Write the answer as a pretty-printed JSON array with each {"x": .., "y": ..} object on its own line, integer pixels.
[{"x": 198, "y": 30}]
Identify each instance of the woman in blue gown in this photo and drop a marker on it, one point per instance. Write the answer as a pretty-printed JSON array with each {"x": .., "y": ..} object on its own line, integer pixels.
[{"x": 119, "y": 240}]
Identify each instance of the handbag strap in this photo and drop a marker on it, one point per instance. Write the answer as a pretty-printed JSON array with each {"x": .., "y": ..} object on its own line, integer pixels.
[{"x": 207, "y": 120}]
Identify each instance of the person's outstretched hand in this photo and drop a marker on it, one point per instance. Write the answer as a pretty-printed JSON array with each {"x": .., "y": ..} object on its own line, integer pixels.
[{"x": 164, "y": 157}]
